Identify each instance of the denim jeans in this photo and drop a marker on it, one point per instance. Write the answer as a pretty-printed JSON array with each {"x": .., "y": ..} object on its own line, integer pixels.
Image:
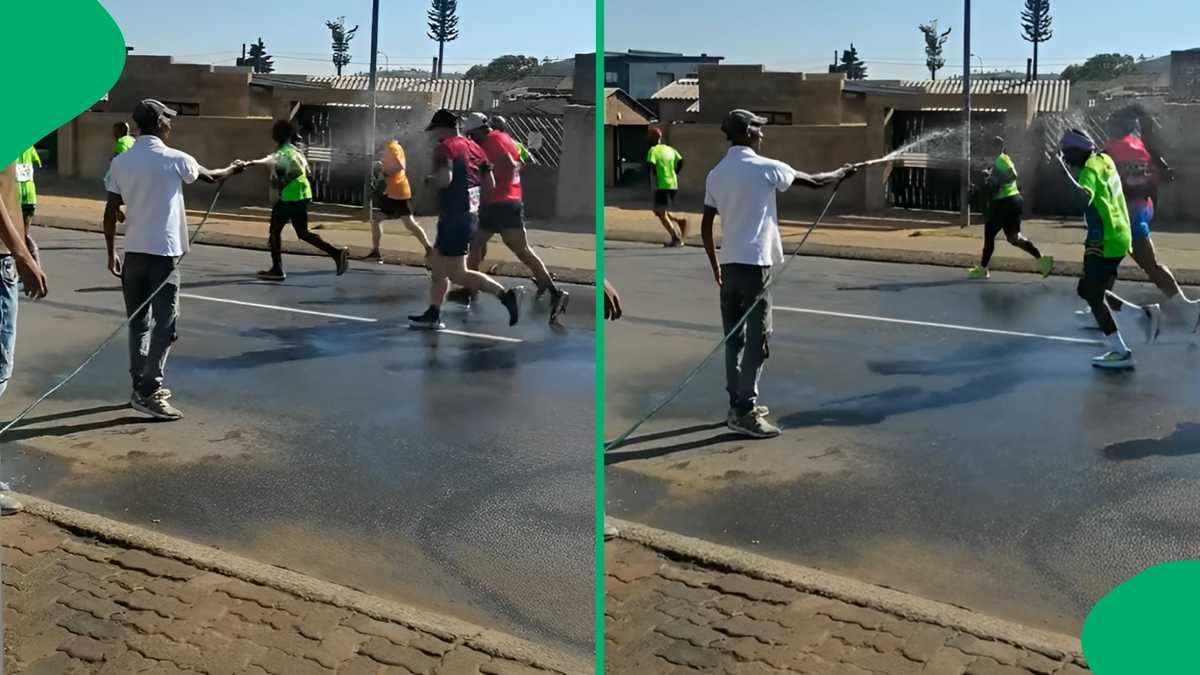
[
  {"x": 746, "y": 351},
  {"x": 9, "y": 285},
  {"x": 152, "y": 330}
]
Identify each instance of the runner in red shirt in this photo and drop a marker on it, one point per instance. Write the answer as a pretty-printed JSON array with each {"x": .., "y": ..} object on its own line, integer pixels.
[
  {"x": 460, "y": 171},
  {"x": 503, "y": 210}
]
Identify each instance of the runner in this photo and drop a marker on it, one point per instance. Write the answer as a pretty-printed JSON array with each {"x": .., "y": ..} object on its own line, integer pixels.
[
  {"x": 290, "y": 176},
  {"x": 1106, "y": 244},
  {"x": 665, "y": 164},
  {"x": 1004, "y": 215},
  {"x": 123, "y": 139},
  {"x": 123, "y": 143},
  {"x": 18, "y": 270},
  {"x": 460, "y": 169},
  {"x": 1141, "y": 171},
  {"x": 499, "y": 123},
  {"x": 25, "y": 167},
  {"x": 395, "y": 202},
  {"x": 741, "y": 189},
  {"x": 503, "y": 211},
  {"x": 149, "y": 180}
]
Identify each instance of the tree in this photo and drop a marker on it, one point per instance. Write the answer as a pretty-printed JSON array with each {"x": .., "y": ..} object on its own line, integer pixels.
[
  {"x": 851, "y": 65},
  {"x": 1100, "y": 68},
  {"x": 341, "y": 42},
  {"x": 443, "y": 27},
  {"x": 504, "y": 68},
  {"x": 933, "y": 47},
  {"x": 1036, "y": 26},
  {"x": 258, "y": 59}
]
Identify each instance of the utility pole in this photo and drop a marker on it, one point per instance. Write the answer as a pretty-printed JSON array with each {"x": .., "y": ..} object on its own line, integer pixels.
[
  {"x": 367, "y": 191},
  {"x": 966, "y": 150}
]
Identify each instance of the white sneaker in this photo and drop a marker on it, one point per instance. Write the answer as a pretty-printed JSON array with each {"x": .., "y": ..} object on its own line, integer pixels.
[
  {"x": 1114, "y": 360},
  {"x": 1153, "y": 322}
]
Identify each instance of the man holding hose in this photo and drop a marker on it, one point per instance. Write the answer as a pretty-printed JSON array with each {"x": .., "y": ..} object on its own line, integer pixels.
[
  {"x": 149, "y": 180},
  {"x": 742, "y": 189}
]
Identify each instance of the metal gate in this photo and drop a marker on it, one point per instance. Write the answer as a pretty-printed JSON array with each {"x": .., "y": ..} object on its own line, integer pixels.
[
  {"x": 922, "y": 184},
  {"x": 335, "y": 143}
]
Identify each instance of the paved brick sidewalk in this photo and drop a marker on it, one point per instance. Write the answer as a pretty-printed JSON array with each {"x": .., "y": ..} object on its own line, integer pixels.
[
  {"x": 75, "y": 605},
  {"x": 672, "y": 617}
]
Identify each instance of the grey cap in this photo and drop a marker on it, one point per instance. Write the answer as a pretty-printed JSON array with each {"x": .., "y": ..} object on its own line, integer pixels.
[
  {"x": 739, "y": 121},
  {"x": 149, "y": 111}
]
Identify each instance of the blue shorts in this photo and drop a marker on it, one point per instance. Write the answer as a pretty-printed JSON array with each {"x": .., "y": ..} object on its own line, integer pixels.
[
  {"x": 454, "y": 234},
  {"x": 1141, "y": 212}
]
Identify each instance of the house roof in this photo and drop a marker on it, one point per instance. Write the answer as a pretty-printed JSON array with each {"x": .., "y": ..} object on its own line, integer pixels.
[
  {"x": 622, "y": 98},
  {"x": 456, "y": 94},
  {"x": 1048, "y": 95},
  {"x": 683, "y": 89},
  {"x": 544, "y": 83},
  {"x": 643, "y": 55},
  {"x": 695, "y": 107}
]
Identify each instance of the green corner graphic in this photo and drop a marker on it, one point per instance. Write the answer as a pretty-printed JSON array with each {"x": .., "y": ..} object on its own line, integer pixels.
[
  {"x": 51, "y": 83},
  {"x": 1147, "y": 624}
]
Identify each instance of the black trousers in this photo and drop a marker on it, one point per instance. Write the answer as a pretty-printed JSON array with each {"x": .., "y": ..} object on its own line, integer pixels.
[{"x": 297, "y": 214}]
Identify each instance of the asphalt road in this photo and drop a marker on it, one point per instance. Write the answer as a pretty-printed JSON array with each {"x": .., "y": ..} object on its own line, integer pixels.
[
  {"x": 994, "y": 470},
  {"x": 454, "y": 471}
]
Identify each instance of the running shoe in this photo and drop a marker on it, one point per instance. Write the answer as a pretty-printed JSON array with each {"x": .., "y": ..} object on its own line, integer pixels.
[
  {"x": 10, "y": 505},
  {"x": 755, "y": 425},
  {"x": 731, "y": 417},
  {"x": 1153, "y": 322},
  {"x": 559, "y": 299},
  {"x": 343, "y": 261},
  {"x": 1045, "y": 264},
  {"x": 675, "y": 242},
  {"x": 978, "y": 272},
  {"x": 155, "y": 405},
  {"x": 373, "y": 256},
  {"x": 272, "y": 275},
  {"x": 1114, "y": 360},
  {"x": 430, "y": 320},
  {"x": 509, "y": 300}
]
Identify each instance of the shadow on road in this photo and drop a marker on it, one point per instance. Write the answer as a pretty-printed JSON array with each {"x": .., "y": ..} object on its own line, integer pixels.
[
  {"x": 26, "y": 430},
  {"x": 1185, "y": 441},
  {"x": 612, "y": 457}
]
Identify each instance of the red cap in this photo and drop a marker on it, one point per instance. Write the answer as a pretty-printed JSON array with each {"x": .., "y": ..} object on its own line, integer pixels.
[{"x": 655, "y": 134}]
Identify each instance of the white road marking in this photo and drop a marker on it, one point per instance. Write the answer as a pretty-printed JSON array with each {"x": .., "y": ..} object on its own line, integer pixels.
[
  {"x": 481, "y": 336},
  {"x": 930, "y": 324},
  {"x": 364, "y": 319},
  {"x": 277, "y": 308}
]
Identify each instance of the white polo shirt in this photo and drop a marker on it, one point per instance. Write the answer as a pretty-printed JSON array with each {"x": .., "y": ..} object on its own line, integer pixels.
[
  {"x": 150, "y": 178},
  {"x": 742, "y": 187}
]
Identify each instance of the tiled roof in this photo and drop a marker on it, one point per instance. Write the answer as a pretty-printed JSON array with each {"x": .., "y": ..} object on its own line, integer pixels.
[
  {"x": 1048, "y": 95},
  {"x": 457, "y": 95},
  {"x": 683, "y": 89}
]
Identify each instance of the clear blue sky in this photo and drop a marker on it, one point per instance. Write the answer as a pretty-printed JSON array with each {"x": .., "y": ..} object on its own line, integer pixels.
[
  {"x": 212, "y": 31},
  {"x": 803, "y": 34}
]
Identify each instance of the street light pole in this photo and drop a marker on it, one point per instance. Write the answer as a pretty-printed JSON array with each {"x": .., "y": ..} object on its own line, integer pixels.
[
  {"x": 965, "y": 190},
  {"x": 374, "y": 109},
  {"x": 387, "y": 62}
]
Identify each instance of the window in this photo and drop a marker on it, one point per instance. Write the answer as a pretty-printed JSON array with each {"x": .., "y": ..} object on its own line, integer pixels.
[
  {"x": 188, "y": 109},
  {"x": 776, "y": 117},
  {"x": 664, "y": 79},
  {"x": 610, "y": 77}
]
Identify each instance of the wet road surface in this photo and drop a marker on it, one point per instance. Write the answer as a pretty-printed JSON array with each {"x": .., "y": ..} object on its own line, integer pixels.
[
  {"x": 993, "y": 470},
  {"x": 452, "y": 471}
]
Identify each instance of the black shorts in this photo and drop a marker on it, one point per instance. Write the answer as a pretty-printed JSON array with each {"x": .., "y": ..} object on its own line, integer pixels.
[
  {"x": 664, "y": 199},
  {"x": 1005, "y": 215},
  {"x": 395, "y": 208},
  {"x": 502, "y": 216},
  {"x": 27, "y": 210},
  {"x": 454, "y": 234}
]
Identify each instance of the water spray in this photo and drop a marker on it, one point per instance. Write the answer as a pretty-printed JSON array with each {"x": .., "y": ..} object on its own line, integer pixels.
[
  {"x": 619, "y": 440},
  {"x": 63, "y": 382}
]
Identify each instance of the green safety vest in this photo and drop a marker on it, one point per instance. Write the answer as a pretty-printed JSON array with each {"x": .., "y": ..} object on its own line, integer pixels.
[
  {"x": 24, "y": 170},
  {"x": 290, "y": 163}
]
